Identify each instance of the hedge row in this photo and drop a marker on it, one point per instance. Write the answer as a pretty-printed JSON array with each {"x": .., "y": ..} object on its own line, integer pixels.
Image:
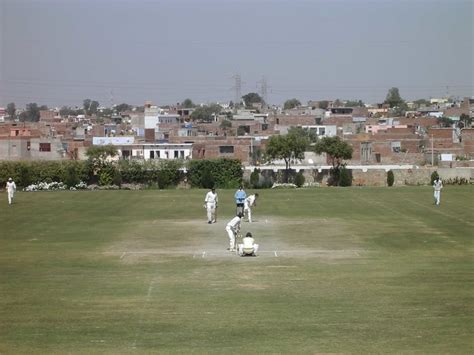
[{"x": 220, "y": 173}]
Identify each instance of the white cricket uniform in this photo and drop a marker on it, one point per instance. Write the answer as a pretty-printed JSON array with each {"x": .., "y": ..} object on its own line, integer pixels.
[
  {"x": 11, "y": 188},
  {"x": 438, "y": 185},
  {"x": 248, "y": 247},
  {"x": 232, "y": 228},
  {"x": 211, "y": 205},
  {"x": 248, "y": 203}
]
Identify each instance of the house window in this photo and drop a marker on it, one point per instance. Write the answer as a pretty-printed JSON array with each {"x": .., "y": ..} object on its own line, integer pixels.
[
  {"x": 378, "y": 158},
  {"x": 28, "y": 145},
  {"x": 45, "y": 147},
  {"x": 226, "y": 149},
  {"x": 322, "y": 131},
  {"x": 152, "y": 154},
  {"x": 396, "y": 147},
  {"x": 176, "y": 154},
  {"x": 264, "y": 126},
  {"x": 157, "y": 154},
  {"x": 181, "y": 154}
]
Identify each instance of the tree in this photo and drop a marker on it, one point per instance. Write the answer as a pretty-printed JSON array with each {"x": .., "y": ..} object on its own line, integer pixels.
[
  {"x": 11, "y": 110},
  {"x": 99, "y": 160},
  {"x": 90, "y": 106},
  {"x": 393, "y": 98},
  {"x": 123, "y": 107},
  {"x": 422, "y": 102},
  {"x": 289, "y": 147},
  {"x": 252, "y": 98},
  {"x": 337, "y": 151},
  {"x": 188, "y": 103},
  {"x": 466, "y": 119},
  {"x": 225, "y": 124},
  {"x": 292, "y": 103},
  {"x": 355, "y": 103},
  {"x": 206, "y": 113},
  {"x": 31, "y": 114},
  {"x": 445, "y": 121},
  {"x": 337, "y": 103},
  {"x": 323, "y": 104}
]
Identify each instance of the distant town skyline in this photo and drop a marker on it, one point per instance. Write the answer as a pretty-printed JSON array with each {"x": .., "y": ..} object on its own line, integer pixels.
[{"x": 58, "y": 53}]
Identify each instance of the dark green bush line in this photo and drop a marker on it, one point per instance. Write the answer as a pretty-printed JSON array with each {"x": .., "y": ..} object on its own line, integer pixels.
[{"x": 222, "y": 173}]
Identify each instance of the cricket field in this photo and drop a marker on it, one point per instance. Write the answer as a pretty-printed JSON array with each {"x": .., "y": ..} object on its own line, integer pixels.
[{"x": 340, "y": 270}]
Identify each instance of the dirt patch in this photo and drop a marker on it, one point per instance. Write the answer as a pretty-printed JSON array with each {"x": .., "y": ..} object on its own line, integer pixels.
[{"x": 278, "y": 238}]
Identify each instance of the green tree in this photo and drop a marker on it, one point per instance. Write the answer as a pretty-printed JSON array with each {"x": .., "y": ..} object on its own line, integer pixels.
[
  {"x": 355, "y": 103},
  {"x": 323, "y": 104},
  {"x": 422, "y": 102},
  {"x": 289, "y": 147},
  {"x": 291, "y": 103},
  {"x": 90, "y": 106},
  {"x": 393, "y": 98},
  {"x": 188, "y": 103},
  {"x": 337, "y": 103},
  {"x": 336, "y": 149},
  {"x": 99, "y": 155},
  {"x": 466, "y": 119},
  {"x": 123, "y": 107},
  {"x": 252, "y": 98},
  {"x": 11, "y": 110},
  {"x": 206, "y": 113},
  {"x": 445, "y": 121},
  {"x": 225, "y": 124},
  {"x": 31, "y": 114}
]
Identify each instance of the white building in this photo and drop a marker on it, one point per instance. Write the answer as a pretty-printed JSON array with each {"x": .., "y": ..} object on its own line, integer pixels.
[
  {"x": 128, "y": 149},
  {"x": 322, "y": 131}
]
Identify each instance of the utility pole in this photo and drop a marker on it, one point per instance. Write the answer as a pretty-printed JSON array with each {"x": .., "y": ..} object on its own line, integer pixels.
[
  {"x": 432, "y": 150},
  {"x": 263, "y": 89}
]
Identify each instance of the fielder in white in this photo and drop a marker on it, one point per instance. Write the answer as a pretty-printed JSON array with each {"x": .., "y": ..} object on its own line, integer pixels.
[
  {"x": 250, "y": 202},
  {"x": 248, "y": 246},
  {"x": 11, "y": 188},
  {"x": 233, "y": 228},
  {"x": 211, "y": 205},
  {"x": 437, "y": 185}
]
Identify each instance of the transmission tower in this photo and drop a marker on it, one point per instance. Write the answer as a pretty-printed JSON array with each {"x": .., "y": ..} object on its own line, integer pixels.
[
  {"x": 237, "y": 88},
  {"x": 264, "y": 89},
  {"x": 111, "y": 98}
]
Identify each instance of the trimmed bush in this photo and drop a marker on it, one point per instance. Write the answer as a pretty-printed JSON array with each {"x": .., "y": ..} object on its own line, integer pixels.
[
  {"x": 299, "y": 179},
  {"x": 390, "y": 178},
  {"x": 345, "y": 177},
  {"x": 434, "y": 176}
]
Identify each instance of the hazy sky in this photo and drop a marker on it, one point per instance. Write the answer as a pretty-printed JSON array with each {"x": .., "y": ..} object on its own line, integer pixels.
[{"x": 60, "y": 52}]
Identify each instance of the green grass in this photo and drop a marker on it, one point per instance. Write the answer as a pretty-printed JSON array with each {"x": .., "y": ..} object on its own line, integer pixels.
[{"x": 354, "y": 270}]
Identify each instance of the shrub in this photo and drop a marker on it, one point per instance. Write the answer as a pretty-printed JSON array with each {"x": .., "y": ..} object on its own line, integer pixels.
[
  {"x": 434, "y": 176},
  {"x": 225, "y": 173},
  {"x": 255, "y": 178},
  {"x": 345, "y": 177},
  {"x": 299, "y": 179},
  {"x": 390, "y": 178}
]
